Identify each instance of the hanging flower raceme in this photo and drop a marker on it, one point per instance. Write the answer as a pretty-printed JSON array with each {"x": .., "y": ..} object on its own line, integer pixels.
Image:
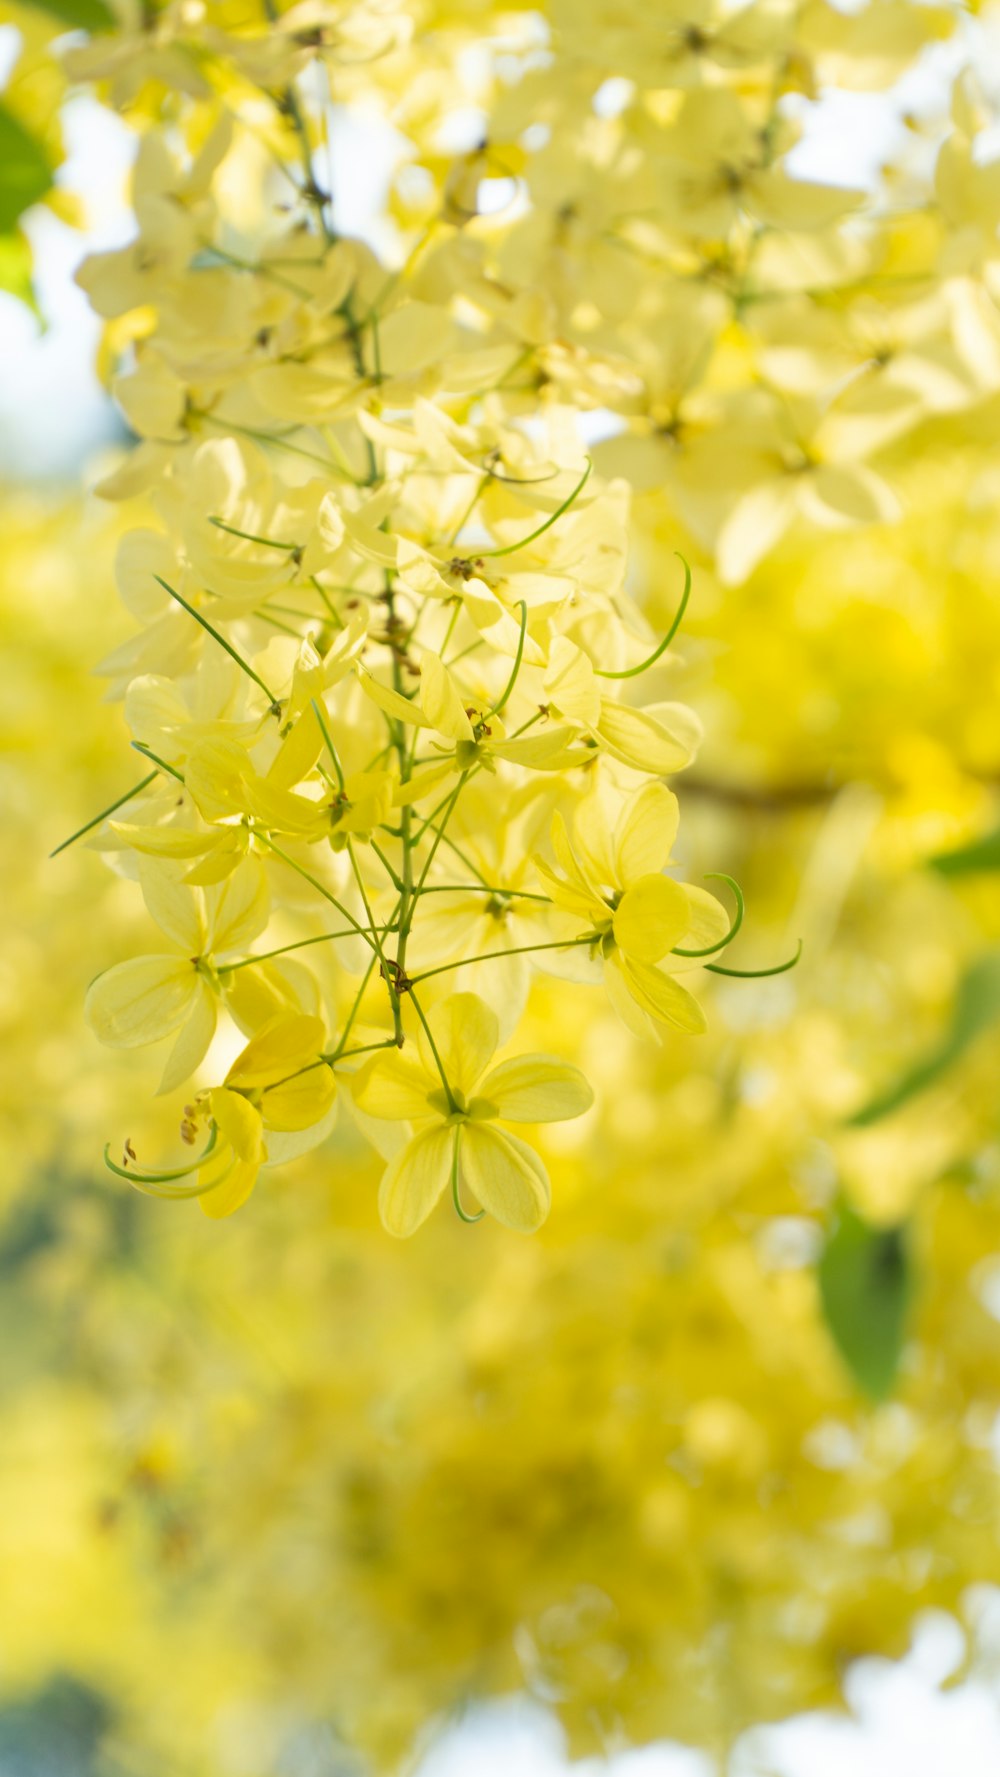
[{"x": 400, "y": 712}]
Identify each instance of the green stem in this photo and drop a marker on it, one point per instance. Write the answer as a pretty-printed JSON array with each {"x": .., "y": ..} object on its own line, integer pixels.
[
  {"x": 386, "y": 971},
  {"x": 249, "y": 537},
  {"x": 331, "y": 749},
  {"x": 139, "y": 746},
  {"x": 98, "y": 818},
  {"x": 492, "y": 956},
  {"x": 452, "y": 1101},
  {"x": 439, "y": 831},
  {"x": 352, "y": 1014},
  {"x": 265, "y": 956},
  {"x": 356, "y": 926},
  {"x": 214, "y": 633},
  {"x": 522, "y": 543}
]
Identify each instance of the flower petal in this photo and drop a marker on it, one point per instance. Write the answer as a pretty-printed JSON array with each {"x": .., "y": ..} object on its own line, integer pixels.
[
  {"x": 414, "y": 1180},
  {"x": 222, "y": 1199},
  {"x": 176, "y": 908},
  {"x": 395, "y": 1088},
  {"x": 240, "y": 1123},
  {"x": 300, "y": 1102},
  {"x": 652, "y": 916},
  {"x": 645, "y": 834},
  {"x": 238, "y": 910},
  {"x": 638, "y": 739},
  {"x": 466, "y": 1033},
  {"x": 287, "y": 1042},
  {"x": 141, "y": 1000},
  {"x": 709, "y": 920},
  {"x": 440, "y": 701},
  {"x": 506, "y": 1176},
  {"x": 537, "y": 1089},
  {"x": 193, "y": 1039},
  {"x": 662, "y": 997}
]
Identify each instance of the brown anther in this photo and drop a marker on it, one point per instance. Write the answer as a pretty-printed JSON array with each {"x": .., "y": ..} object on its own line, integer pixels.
[
  {"x": 460, "y": 568},
  {"x": 129, "y": 1153}
]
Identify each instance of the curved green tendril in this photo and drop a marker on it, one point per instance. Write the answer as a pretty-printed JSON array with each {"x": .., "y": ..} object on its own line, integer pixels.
[
  {"x": 710, "y": 949},
  {"x": 758, "y": 974},
  {"x": 456, "y": 1197},
  {"x": 150, "y": 1181},
  {"x": 632, "y": 672},
  {"x": 511, "y": 682},
  {"x": 522, "y": 542}
]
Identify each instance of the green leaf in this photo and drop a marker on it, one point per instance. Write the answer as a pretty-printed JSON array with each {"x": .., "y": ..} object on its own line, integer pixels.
[
  {"x": 25, "y": 173},
  {"x": 79, "y": 15},
  {"x": 976, "y": 1007},
  {"x": 866, "y": 1283},
  {"x": 979, "y": 854}
]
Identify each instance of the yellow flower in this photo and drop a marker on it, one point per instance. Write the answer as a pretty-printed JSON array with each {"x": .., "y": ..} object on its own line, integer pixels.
[
  {"x": 457, "y": 1112},
  {"x": 279, "y": 1083},
  {"x": 149, "y": 997},
  {"x": 613, "y": 882}
]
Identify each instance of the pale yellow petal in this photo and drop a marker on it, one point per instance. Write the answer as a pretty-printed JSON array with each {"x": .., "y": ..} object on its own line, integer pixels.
[
  {"x": 645, "y": 833},
  {"x": 238, "y": 910},
  {"x": 391, "y": 702},
  {"x": 641, "y": 740},
  {"x": 592, "y": 843},
  {"x": 239, "y": 1123},
  {"x": 537, "y": 1089},
  {"x": 141, "y": 1000},
  {"x": 176, "y": 908},
  {"x": 415, "y": 1179},
  {"x": 395, "y": 1087},
  {"x": 663, "y": 998},
  {"x": 506, "y": 1176},
  {"x": 300, "y": 1101},
  {"x": 193, "y": 1039},
  {"x": 466, "y": 1034},
  {"x": 222, "y": 1199},
  {"x": 652, "y": 916},
  {"x": 709, "y": 920},
  {"x": 570, "y": 684},
  {"x": 287, "y": 1042},
  {"x": 440, "y": 701}
]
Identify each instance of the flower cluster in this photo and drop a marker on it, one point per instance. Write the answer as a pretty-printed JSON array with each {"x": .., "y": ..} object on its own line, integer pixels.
[{"x": 406, "y": 723}]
